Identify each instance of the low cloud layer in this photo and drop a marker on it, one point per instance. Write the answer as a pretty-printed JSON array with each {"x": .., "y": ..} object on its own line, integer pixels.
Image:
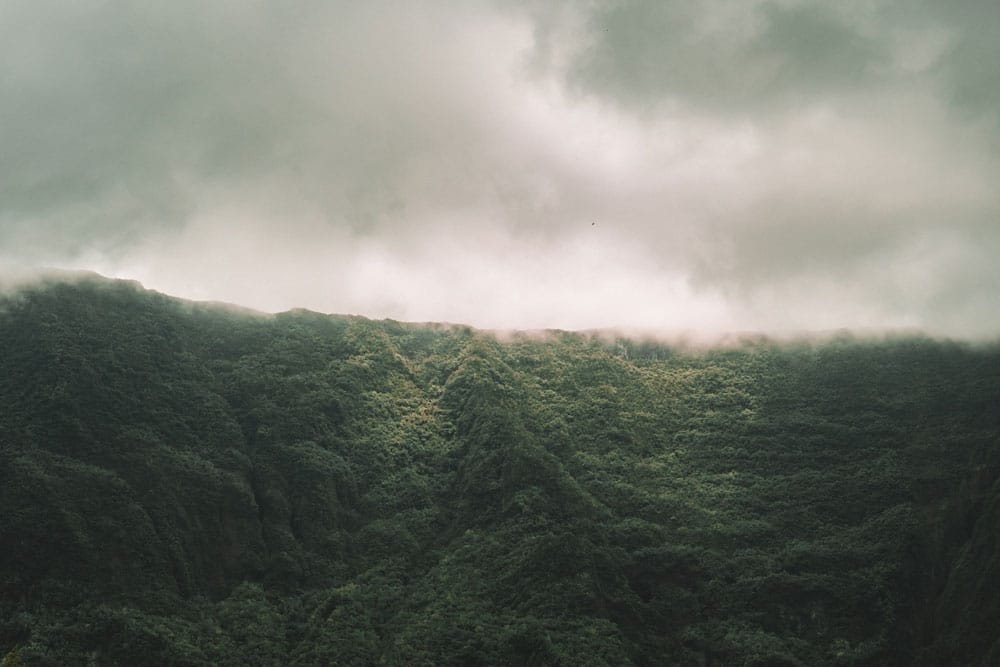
[{"x": 672, "y": 165}]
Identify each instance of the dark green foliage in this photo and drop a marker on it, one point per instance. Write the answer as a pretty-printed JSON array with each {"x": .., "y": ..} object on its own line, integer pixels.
[{"x": 189, "y": 485}]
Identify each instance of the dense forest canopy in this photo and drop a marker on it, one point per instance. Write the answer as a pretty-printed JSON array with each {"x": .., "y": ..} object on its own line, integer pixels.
[{"x": 185, "y": 484}]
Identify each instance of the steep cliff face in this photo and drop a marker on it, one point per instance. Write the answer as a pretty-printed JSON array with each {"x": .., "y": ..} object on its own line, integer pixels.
[
  {"x": 961, "y": 604},
  {"x": 187, "y": 484}
]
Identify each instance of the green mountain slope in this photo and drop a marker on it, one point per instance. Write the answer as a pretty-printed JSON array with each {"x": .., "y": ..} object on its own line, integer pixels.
[{"x": 187, "y": 484}]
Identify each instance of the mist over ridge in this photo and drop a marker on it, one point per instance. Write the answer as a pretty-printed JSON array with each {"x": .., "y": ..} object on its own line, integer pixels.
[{"x": 17, "y": 278}]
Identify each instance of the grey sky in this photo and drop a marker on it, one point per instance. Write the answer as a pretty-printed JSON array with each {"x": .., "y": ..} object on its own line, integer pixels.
[{"x": 748, "y": 165}]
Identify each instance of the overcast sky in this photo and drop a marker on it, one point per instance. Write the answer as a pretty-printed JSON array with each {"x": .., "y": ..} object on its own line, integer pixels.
[{"x": 712, "y": 165}]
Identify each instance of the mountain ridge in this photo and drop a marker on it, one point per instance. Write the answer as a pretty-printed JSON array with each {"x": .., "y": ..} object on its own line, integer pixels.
[{"x": 186, "y": 484}]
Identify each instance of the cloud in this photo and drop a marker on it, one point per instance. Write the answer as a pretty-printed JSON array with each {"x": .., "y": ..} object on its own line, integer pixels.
[
  {"x": 741, "y": 57},
  {"x": 658, "y": 164}
]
